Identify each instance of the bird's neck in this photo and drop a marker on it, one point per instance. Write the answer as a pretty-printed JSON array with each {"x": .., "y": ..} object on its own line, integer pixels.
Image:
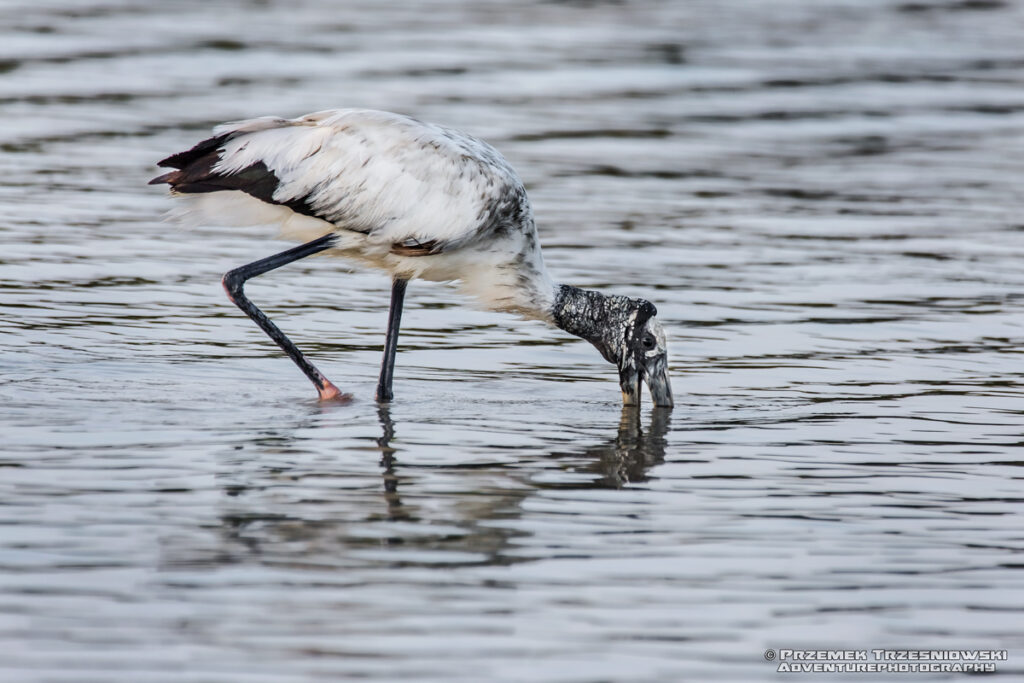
[{"x": 590, "y": 315}]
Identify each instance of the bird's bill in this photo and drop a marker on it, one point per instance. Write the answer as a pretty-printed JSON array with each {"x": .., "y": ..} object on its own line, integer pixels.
[
  {"x": 655, "y": 375},
  {"x": 659, "y": 384}
]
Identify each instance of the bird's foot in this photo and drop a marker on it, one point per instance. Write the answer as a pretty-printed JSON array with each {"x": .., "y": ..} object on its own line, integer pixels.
[{"x": 329, "y": 392}]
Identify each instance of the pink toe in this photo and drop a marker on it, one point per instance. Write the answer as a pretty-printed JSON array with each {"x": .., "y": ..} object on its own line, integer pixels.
[{"x": 329, "y": 392}]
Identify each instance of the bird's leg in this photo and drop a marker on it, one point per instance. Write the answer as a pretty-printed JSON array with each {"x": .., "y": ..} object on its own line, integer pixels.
[
  {"x": 387, "y": 365},
  {"x": 233, "y": 285}
]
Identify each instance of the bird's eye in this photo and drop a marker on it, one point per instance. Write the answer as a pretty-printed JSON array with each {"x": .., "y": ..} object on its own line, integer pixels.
[{"x": 649, "y": 341}]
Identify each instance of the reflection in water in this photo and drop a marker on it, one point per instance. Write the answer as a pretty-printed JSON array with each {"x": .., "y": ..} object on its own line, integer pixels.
[
  {"x": 477, "y": 526},
  {"x": 387, "y": 460},
  {"x": 625, "y": 459},
  {"x": 621, "y": 460}
]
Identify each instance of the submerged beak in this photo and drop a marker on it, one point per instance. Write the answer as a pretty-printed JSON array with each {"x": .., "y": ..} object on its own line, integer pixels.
[{"x": 655, "y": 374}]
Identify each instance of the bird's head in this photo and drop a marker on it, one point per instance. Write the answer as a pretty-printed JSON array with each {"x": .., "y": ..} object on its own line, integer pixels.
[
  {"x": 627, "y": 333},
  {"x": 641, "y": 355}
]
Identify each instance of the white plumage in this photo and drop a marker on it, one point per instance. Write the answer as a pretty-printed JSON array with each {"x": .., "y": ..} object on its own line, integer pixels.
[{"x": 385, "y": 179}]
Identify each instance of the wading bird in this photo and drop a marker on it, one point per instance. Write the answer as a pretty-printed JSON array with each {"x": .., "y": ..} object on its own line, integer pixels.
[{"x": 417, "y": 201}]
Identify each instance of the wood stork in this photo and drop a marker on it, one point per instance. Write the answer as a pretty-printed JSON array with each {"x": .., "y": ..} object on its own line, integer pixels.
[{"x": 416, "y": 200}]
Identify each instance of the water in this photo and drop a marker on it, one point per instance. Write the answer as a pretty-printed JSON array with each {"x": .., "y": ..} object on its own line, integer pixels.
[{"x": 823, "y": 199}]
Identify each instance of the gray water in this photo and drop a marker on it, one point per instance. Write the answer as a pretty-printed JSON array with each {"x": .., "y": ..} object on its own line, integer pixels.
[{"x": 823, "y": 199}]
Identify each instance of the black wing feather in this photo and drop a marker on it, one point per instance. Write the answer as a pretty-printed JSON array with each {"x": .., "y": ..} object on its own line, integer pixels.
[
  {"x": 196, "y": 175},
  {"x": 183, "y": 159}
]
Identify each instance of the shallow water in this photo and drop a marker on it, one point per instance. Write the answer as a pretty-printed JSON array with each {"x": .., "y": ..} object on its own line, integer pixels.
[{"x": 823, "y": 199}]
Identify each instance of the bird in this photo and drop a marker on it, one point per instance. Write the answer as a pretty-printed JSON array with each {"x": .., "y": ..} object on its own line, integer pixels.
[{"x": 416, "y": 200}]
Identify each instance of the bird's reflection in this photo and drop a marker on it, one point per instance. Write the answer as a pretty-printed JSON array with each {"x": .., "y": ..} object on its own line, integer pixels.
[
  {"x": 617, "y": 462},
  {"x": 627, "y": 459},
  {"x": 269, "y": 519}
]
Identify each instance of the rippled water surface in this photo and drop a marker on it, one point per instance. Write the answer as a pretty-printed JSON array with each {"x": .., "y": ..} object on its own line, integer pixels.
[{"x": 823, "y": 199}]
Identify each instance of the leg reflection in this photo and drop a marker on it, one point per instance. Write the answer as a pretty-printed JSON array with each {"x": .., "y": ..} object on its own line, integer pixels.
[{"x": 396, "y": 510}]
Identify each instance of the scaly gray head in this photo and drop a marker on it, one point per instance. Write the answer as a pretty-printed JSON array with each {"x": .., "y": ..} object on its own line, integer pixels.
[{"x": 626, "y": 332}]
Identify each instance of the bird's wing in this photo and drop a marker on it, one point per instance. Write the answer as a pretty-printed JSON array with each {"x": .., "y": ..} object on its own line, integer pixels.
[{"x": 415, "y": 187}]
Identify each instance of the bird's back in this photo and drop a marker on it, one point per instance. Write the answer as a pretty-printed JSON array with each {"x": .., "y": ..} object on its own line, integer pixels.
[
  {"x": 412, "y": 198},
  {"x": 404, "y": 184}
]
